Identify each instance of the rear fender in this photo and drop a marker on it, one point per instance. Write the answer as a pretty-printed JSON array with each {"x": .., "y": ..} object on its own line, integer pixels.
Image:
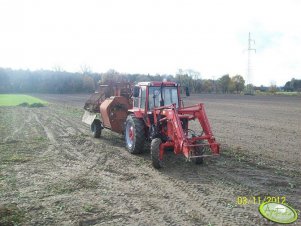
[
  {"x": 88, "y": 117},
  {"x": 137, "y": 113}
]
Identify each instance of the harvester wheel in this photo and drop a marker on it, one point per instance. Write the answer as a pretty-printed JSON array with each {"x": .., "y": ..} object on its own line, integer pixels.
[
  {"x": 96, "y": 128},
  {"x": 197, "y": 152},
  {"x": 155, "y": 153},
  {"x": 134, "y": 134}
]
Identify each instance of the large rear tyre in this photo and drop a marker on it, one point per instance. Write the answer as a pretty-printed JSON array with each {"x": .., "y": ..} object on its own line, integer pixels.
[
  {"x": 155, "y": 153},
  {"x": 134, "y": 135},
  {"x": 96, "y": 128}
]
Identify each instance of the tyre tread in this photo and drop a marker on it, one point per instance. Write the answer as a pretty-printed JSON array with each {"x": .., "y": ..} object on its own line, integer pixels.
[
  {"x": 155, "y": 152},
  {"x": 138, "y": 146}
]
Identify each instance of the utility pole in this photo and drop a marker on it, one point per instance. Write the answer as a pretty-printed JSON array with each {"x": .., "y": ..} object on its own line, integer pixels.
[{"x": 249, "y": 88}]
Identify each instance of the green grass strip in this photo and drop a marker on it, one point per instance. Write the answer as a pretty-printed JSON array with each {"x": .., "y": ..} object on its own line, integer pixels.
[{"x": 16, "y": 99}]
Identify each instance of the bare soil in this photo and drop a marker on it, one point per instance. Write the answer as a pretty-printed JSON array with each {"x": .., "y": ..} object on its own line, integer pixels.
[
  {"x": 267, "y": 127},
  {"x": 52, "y": 172}
]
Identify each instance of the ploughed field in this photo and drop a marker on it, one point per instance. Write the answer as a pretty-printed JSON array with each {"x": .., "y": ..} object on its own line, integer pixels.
[{"x": 52, "y": 172}]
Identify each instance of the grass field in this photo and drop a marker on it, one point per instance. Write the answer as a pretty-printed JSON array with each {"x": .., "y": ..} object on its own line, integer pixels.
[
  {"x": 278, "y": 93},
  {"x": 289, "y": 93},
  {"x": 16, "y": 99}
]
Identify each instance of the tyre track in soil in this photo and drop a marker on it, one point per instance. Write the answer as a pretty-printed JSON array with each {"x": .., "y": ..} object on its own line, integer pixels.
[
  {"x": 179, "y": 194},
  {"x": 198, "y": 198},
  {"x": 218, "y": 196},
  {"x": 18, "y": 128},
  {"x": 107, "y": 146},
  {"x": 62, "y": 135},
  {"x": 237, "y": 176},
  {"x": 62, "y": 143},
  {"x": 61, "y": 154},
  {"x": 214, "y": 196},
  {"x": 222, "y": 183}
]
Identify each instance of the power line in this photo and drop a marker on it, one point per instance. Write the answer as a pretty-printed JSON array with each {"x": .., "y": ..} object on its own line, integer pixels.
[{"x": 250, "y": 49}]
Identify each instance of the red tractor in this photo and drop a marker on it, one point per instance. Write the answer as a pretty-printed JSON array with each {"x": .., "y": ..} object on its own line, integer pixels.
[{"x": 150, "y": 112}]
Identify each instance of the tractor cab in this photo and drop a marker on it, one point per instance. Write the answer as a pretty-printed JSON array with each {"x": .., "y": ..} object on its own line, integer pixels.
[{"x": 150, "y": 95}]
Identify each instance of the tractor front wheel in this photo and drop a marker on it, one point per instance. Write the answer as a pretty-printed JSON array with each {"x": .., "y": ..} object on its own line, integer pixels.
[
  {"x": 134, "y": 135},
  {"x": 155, "y": 153},
  {"x": 96, "y": 128},
  {"x": 198, "y": 151}
]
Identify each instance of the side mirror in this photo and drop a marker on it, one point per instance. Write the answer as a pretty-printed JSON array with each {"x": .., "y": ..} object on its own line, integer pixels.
[
  {"x": 136, "y": 91},
  {"x": 187, "y": 91}
]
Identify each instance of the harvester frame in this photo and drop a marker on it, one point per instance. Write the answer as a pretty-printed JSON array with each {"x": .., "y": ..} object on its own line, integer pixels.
[{"x": 151, "y": 112}]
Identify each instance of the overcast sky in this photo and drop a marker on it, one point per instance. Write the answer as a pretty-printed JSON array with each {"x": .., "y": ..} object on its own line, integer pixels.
[{"x": 154, "y": 36}]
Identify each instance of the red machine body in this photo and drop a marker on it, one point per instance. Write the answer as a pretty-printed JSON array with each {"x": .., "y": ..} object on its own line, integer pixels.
[
  {"x": 113, "y": 112},
  {"x": 154, "y": 112},
  {"x": 180, "y": 139}
]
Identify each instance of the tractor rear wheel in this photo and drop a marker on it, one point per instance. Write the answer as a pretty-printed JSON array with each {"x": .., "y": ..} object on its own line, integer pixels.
[
  {"x": 199, "y": 150},
  {"x": 155, "y": 153},
  {"x": 96, "y": 128},
  {"x": 134, "y": 135}
]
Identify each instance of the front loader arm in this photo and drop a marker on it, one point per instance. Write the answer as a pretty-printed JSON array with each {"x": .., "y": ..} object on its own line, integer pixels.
[
  {"x": 198, "y": 111},
  {"x": 177, "y": 138},
  {"x": 175, "y": 133}
]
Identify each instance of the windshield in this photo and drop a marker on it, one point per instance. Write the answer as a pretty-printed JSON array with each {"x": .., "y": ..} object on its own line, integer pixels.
[{"x": 170, "y": 96}]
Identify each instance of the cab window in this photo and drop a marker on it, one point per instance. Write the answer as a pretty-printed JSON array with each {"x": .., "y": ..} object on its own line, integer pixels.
[
  {"x": 142, "y": 97},
  {"x": 136, "y": 100},
  {"x": 170, "y": 96}
]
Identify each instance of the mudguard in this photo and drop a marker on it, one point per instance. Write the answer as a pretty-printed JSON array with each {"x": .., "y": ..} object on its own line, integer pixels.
[{"x": 88, "y": 117}]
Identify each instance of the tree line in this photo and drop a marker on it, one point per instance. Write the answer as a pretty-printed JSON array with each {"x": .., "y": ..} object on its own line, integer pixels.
[
  {"x": 59, "y": 81},
  {"x": 186, "y": 78},
  {"x": 46, "y": 81},
  {"x": 293, "y": 86}
]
